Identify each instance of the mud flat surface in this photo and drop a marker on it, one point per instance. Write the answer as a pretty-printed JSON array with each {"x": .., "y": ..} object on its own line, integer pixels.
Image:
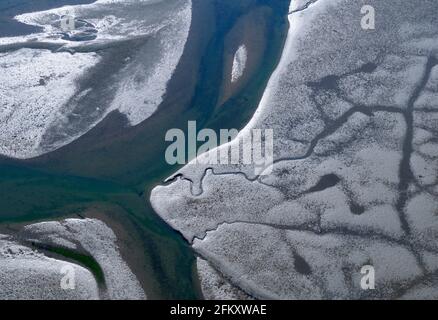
[
  {"x": 39, "y": 257},
  {"x": 354, "y": 181},
  {"x": 112, "y": 168}
]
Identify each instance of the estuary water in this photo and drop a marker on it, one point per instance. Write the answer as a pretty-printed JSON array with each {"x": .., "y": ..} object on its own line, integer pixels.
[{"x": 113, "y": 166}]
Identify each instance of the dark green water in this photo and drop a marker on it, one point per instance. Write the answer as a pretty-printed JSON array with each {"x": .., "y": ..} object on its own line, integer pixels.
[{"x": 116, "y": 167}]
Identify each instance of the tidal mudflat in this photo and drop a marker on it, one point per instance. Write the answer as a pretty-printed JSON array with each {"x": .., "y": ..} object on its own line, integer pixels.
[
  {"x": 97, "y": 150},
  {"x": 354, "y": 181},
  {"x": 51, "y": 250}
]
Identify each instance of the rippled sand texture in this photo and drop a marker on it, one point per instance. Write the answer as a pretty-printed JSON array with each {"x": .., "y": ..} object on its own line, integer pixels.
[
  {"x": 29, "y": 268},
  {"x": 57, "y": 85},
  {"x": 354, "y": 182}
]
